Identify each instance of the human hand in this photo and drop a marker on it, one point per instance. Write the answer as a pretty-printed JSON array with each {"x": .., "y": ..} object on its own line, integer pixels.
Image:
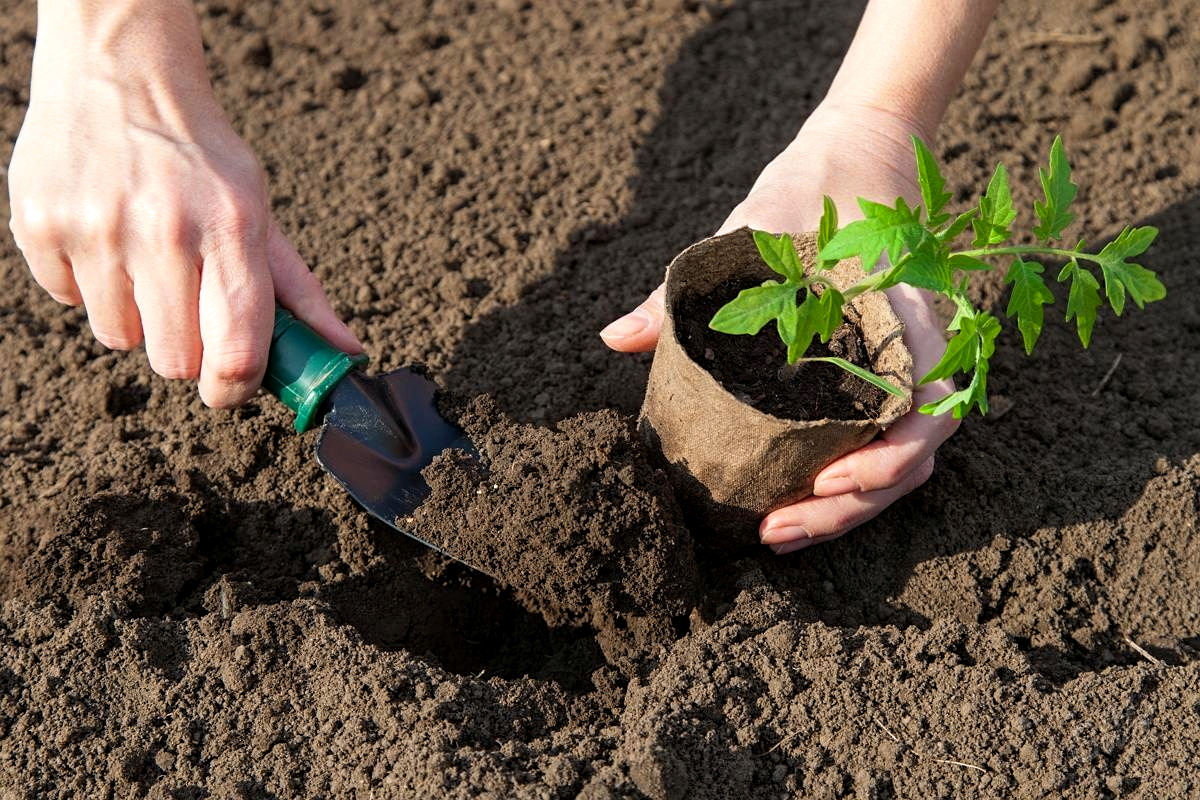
[
  {"x": 845, "y": 152},
  {"x": 131, "y": 194}
]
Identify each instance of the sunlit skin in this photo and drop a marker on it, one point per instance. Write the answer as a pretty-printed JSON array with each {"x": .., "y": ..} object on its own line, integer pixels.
[{"x": 857, "y": 143}]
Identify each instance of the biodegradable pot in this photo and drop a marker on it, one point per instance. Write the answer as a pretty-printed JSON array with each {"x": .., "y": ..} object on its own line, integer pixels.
[{"x": 731, "y": 463}]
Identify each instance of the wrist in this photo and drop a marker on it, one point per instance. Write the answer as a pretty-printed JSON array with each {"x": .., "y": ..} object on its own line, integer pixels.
[
  {"x": 893, "y": 112},
  {"x": 153, "y": 44},
  {"x": 140, "y": 59}
]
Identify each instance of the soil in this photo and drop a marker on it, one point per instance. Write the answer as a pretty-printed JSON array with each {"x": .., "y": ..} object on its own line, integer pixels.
[
  {"x": 189, "y": 608},
  {"x": 811, "y": 391},
  {"x": 575, "y": 520}
]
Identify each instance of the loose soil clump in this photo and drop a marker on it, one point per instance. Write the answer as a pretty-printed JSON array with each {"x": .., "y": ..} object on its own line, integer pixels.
[{"x": 575, "y": 519}]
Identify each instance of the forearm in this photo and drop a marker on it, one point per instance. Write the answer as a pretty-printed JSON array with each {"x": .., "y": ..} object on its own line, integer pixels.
[
  {"x": 148, "y": 51},
  {"x": 908, "y": 57}
]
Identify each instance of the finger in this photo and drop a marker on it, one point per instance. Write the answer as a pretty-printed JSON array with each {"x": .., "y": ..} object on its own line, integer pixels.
[
  {"x": 637, "y": 331},
  {"x": 167, "y": 297},
  {"x": 107, "y": 293},
  {"x": 886, "y": 461},
  {"x": 52, "y": 271},
  {"x": 236, "y": 311},
  {"x": 820, "y": 518},
  {"x": 300, "y": 292}
]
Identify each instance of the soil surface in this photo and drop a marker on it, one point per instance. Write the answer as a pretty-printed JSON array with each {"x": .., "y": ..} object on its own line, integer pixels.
[
  {"x": 189, "y": 608},
  {"x": 809, "y": 391}
]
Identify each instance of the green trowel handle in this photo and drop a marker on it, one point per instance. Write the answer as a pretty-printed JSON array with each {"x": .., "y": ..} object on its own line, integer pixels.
[{"x": 303, "y": 368}]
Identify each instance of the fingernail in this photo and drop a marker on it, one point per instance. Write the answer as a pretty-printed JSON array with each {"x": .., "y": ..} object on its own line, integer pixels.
[
  {"x": 631, "y": 324},
  {"x": 838, "y": 484},
  {"x": 791, "y": 547},
  {"x": 785, "y": 533}
]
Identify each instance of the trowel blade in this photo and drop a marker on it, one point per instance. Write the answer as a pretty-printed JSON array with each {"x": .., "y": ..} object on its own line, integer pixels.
[{"x": 379, "y": 433}]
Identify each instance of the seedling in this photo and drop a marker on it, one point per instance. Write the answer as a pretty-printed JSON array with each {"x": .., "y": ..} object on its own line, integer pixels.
[{"x": 919, "y": 247}]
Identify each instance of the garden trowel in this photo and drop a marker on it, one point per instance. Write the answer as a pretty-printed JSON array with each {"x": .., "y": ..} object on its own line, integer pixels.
[{"x": 377, "y": 431}]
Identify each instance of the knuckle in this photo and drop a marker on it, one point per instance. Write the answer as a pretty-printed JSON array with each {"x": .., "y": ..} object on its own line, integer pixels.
[
  {"x": 238, "y": 367},
  {"x": 33, "y": 225}
]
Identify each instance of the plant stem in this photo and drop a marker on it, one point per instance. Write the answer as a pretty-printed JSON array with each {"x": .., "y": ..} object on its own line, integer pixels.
[
  {"x": 872, "y": 281},
  {"x": 1025, "y": 249}
]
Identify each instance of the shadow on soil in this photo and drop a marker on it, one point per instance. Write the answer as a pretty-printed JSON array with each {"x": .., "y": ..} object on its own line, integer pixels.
[{"x": 1069, "y": 447}]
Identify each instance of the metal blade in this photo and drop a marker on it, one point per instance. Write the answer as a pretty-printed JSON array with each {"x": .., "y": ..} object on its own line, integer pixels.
[{"x": 379, "y": 433}]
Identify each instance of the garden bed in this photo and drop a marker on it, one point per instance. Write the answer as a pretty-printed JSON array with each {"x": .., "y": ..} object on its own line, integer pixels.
[{"x": 191, "y": 608}]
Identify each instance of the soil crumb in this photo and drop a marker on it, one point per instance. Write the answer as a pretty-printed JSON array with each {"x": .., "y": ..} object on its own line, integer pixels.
[
  {"x": 574, "y": 518},
  {"x": 752, "y": 367}
]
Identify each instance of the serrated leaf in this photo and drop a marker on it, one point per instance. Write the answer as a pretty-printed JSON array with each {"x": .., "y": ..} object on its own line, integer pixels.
[
  {"x": 1082, "y": 300},
  {"x": 1121, "y": 275},
  {"x": 754, "y": 307},
  {"x": 827, "y": 229},
  {"x": 996, "y": 211},
  {"x": 933, "y": 186},
  {"x": 884, "y": 230},
  {"x": 1059, "y": 192},
  {"x": 927, "y": 267},
  {"x": 960, "y": 224},
  {"x": 854, "y": 369},
  {"x": 960, "y": 402},
  {"x": 969, "y": 350},
  {"x": 964, "y": 263},
  {"x": 962, "y": 351},
  {"x": 1029, "y": 295},
  {"x": 779, "y": 253}
]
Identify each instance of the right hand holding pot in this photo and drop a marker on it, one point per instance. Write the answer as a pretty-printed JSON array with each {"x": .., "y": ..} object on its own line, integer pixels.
[{"x": 844, "y": 152}]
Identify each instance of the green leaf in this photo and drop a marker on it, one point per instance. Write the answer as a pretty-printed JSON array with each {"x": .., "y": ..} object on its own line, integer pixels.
[
  {"x": 996, "y": 211},
  {"x": 927, "y": 267},
  {"x": 969, "y": 350},
  {"x": 933, "y": 186},
  {"x": 819, "y": 315},
  {"x": 885, "y": 230},
  {"x": 829, "y": 313},
  {"x": 755, "y": 307},
  {"x": 1082, "y": 300},
  {"x": 1121, "y": 275},
  {"x": 854, "y": 369},
  {"x": 960, "y": 402},
  {"x": 779, "y": 253},
  {"x": 827, "y": 229},
  {"x": 963, "y": 263},
  {"x": 962, "y": 351},
  {"x": 1059, "y": 191},
  {"x": 1029, "y": 294},
  {"x": 798, "y": 326},
  {"x": 960, "y": 224}
]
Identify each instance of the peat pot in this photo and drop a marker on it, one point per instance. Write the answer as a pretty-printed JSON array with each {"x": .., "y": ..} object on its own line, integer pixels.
[{"x": 729, "y": 462}]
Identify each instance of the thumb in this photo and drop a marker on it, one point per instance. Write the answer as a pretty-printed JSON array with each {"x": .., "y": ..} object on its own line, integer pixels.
[
  {"x": 300, "y": 292},
  {"x": 637, "y": 331}
]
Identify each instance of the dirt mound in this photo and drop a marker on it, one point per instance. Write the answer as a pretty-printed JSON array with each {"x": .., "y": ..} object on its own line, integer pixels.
[
  {"x": 575, "y": 518},
  {"x": 189, "y": 607}
]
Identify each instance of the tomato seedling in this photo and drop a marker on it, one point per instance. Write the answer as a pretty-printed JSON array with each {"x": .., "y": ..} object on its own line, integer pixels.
[{"x": 919, "y": 247}]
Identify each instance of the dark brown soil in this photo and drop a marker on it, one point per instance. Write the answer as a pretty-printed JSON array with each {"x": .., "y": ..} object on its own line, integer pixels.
[
  {"x": 574, "y": 519},
  {"x": 189, "y": 608},
  {"x": 753, "y": 368}
]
